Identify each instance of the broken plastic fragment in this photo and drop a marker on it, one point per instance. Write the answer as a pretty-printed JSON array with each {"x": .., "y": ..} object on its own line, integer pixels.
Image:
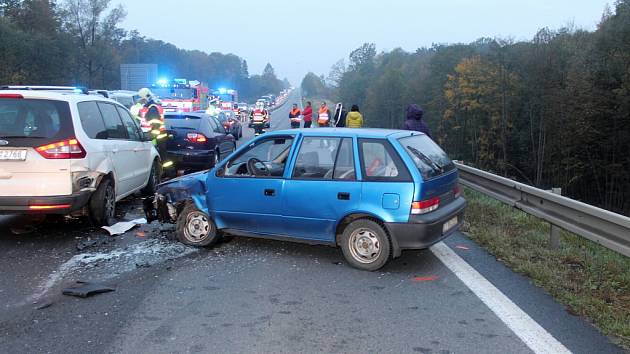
[
  {"x": 86, "y": 289},
  {"x": 124, "y": 226}
]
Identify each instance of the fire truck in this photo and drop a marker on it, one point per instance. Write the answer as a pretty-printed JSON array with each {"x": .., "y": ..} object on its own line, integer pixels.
[
  {"x": 181, "y": 95},
  {"x": 228, "y": 101}
]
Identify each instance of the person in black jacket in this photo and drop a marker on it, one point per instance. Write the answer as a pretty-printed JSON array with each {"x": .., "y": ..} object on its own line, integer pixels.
[{"x": 340, "y": 116}]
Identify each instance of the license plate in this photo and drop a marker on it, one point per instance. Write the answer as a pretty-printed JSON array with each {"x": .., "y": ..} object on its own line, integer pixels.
[
  {"x": 449, "y": 224},
  {"x": 19, "y": 155}
]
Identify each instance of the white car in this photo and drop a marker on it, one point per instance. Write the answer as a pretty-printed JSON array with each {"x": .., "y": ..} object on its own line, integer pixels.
[{"x": 63, "y": 152}]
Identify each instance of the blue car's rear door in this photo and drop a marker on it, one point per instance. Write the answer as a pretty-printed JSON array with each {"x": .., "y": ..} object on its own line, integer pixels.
[{"x": 322, "y": 188}]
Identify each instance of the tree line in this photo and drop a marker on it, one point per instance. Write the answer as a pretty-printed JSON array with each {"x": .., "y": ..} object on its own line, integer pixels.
[
  {"x": 80, "y": 42},
  {"x": 553, "y": 111}
]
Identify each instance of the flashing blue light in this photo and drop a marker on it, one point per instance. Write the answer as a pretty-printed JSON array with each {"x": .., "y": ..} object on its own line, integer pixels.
[
  {"x": 77, "y": 90},
  {"x": 223, "y": 90},
  {"x": 162, "y": 82}
]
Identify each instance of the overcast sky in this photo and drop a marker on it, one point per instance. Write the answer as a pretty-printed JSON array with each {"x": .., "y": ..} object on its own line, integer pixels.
[{"x": 299, "y": 36}]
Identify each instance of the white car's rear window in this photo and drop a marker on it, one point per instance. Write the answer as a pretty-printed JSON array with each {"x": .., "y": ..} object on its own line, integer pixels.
[{"x": 33, "y": 118}]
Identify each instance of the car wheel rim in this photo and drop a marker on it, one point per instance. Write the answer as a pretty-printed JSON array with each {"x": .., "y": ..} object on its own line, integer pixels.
[
  {"x": 154, "y": 175},
  {"x": 365, "y": 246},
  {"x": 197, "y": 227},
  {"x": 110, "y": 202}
]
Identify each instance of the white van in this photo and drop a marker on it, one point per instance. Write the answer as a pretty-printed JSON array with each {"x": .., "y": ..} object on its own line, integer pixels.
[{"x": 64, "y": 152}]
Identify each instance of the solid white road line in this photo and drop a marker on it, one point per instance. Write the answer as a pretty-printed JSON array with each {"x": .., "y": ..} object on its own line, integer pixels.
[{"x": 528, "y": 330}]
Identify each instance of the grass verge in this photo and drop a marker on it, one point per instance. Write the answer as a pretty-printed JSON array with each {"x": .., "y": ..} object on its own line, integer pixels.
[{"x": 589, "y": 279}]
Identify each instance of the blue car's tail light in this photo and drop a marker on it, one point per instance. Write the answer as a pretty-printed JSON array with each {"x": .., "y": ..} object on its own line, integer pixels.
[{"x": 425, "y": 206}]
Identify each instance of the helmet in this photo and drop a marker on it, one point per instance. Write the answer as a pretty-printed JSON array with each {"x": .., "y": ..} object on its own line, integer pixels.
[
  {"x": 260, "y": 105},
  {"x": 145, "y": 93}
]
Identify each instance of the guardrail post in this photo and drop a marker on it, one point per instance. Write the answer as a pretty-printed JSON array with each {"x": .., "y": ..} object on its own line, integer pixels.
[{"x": 554, "y": 235}]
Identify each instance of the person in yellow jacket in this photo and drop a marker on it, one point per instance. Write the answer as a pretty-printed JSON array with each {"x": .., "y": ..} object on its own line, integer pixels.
[{"x": 354, "y": 119}]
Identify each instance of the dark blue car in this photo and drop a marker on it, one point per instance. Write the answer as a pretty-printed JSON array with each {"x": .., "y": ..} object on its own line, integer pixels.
[{"x": 372, "y": 192}]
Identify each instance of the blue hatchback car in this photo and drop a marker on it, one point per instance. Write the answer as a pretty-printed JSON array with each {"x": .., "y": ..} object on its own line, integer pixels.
[{"x": 372, "y": 192}]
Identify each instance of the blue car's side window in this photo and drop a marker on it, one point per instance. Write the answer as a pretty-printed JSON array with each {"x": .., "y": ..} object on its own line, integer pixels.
[
  {"x": 380, "y": 162},
  {"x": 344, "y": 166},
  {"x": 265, "y": 158},
  {"x": 316, "y": 158}
]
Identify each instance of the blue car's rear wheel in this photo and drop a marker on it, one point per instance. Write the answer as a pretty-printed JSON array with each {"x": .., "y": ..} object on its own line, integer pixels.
[
  {"x": 195, "y": 228},
  {"x": 365, "y": 245}
]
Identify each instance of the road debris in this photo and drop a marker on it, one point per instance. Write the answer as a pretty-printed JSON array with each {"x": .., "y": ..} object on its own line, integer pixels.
[
  {"x": 124, "y": 226},
  {"x": 462, "y": 247},
  {"x": 86, "y": 289},
  {"x": 44, "y": 306},
  {"x": 91, "y": 242}
]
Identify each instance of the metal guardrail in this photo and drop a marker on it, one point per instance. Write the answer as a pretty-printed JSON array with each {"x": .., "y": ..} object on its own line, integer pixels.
[{"x": 598, "y": 225}]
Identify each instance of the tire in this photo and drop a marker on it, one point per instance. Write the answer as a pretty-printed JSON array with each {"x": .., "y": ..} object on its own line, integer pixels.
[
  {"x": 102, "y": 204},
  {"x": 195, "y": 228},
  {"x": 154, "y": 180},
  {"x": 240, "y": 132},
  {"x": 366, "y": 245}
]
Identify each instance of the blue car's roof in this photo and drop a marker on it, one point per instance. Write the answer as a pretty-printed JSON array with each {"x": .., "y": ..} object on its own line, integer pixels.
[{"x": 360, "y": 133}]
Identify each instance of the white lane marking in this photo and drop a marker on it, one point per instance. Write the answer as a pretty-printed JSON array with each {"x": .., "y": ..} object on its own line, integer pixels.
[
  {"x": 151, "y": 251},
  {"x": 528, "y": 330}
]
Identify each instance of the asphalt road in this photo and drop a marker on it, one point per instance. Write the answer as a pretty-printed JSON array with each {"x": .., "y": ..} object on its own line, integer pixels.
[{"x": 252, "y": 295}]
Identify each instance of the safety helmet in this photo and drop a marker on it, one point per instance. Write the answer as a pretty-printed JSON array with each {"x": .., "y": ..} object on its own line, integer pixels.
[{"x": 145, "y": 93}]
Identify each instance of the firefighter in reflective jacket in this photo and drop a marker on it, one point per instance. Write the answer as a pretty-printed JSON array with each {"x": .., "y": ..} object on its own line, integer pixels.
[
  {"x": 153, "y": 116},
  {"x": 259, "y": 118},
  {"x": 295, "y": 116},
  {"x": 323, "y": 119}
]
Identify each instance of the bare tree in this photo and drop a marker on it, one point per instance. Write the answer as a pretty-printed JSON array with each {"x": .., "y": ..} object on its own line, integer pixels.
[{"x": 95, "y": 29}]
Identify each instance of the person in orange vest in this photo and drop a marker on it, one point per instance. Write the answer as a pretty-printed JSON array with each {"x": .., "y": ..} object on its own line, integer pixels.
[
  {"x": 259, "y": 118},
  {"x": 153, "y": 115},
  {"x": 295, "y": 116},
  {"x": 323, "y": 118}
]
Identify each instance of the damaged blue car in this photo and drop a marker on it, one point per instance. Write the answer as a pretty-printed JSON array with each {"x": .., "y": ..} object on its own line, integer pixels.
[{"x": 371, "y": 192}]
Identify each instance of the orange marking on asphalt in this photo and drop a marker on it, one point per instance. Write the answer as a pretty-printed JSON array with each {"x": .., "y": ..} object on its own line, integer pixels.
[{"x": 429, "y": 278}]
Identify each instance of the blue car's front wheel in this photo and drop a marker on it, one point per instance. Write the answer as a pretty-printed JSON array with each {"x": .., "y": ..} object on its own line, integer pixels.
[{"x": 195, "y": 228}]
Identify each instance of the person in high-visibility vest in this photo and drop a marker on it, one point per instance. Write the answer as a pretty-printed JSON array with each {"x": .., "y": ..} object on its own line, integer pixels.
[
  {"x": 323, "y": 119},
  {"x": 213, "y": 108},
  {"x": 295, "y": 116},
  {"x": 259, "y": 118},
  {"x": 153, "y": 115}
]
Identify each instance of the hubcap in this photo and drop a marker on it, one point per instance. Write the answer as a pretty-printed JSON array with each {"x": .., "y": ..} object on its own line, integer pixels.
[
  {"x": 364, "y": 246},
  {"x": 197, "y": 227}
]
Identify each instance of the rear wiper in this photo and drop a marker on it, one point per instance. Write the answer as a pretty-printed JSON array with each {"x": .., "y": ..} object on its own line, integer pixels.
[{"x": 434, "y": 166}]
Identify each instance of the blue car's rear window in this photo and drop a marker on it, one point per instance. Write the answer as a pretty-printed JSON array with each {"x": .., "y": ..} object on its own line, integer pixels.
[{"x": 429, "y": 158}]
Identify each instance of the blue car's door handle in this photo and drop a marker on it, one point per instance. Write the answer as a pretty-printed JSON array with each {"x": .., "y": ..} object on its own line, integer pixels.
[
  {"x": 343, "y": 196},
  {"x": 270, "y": 192}
]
